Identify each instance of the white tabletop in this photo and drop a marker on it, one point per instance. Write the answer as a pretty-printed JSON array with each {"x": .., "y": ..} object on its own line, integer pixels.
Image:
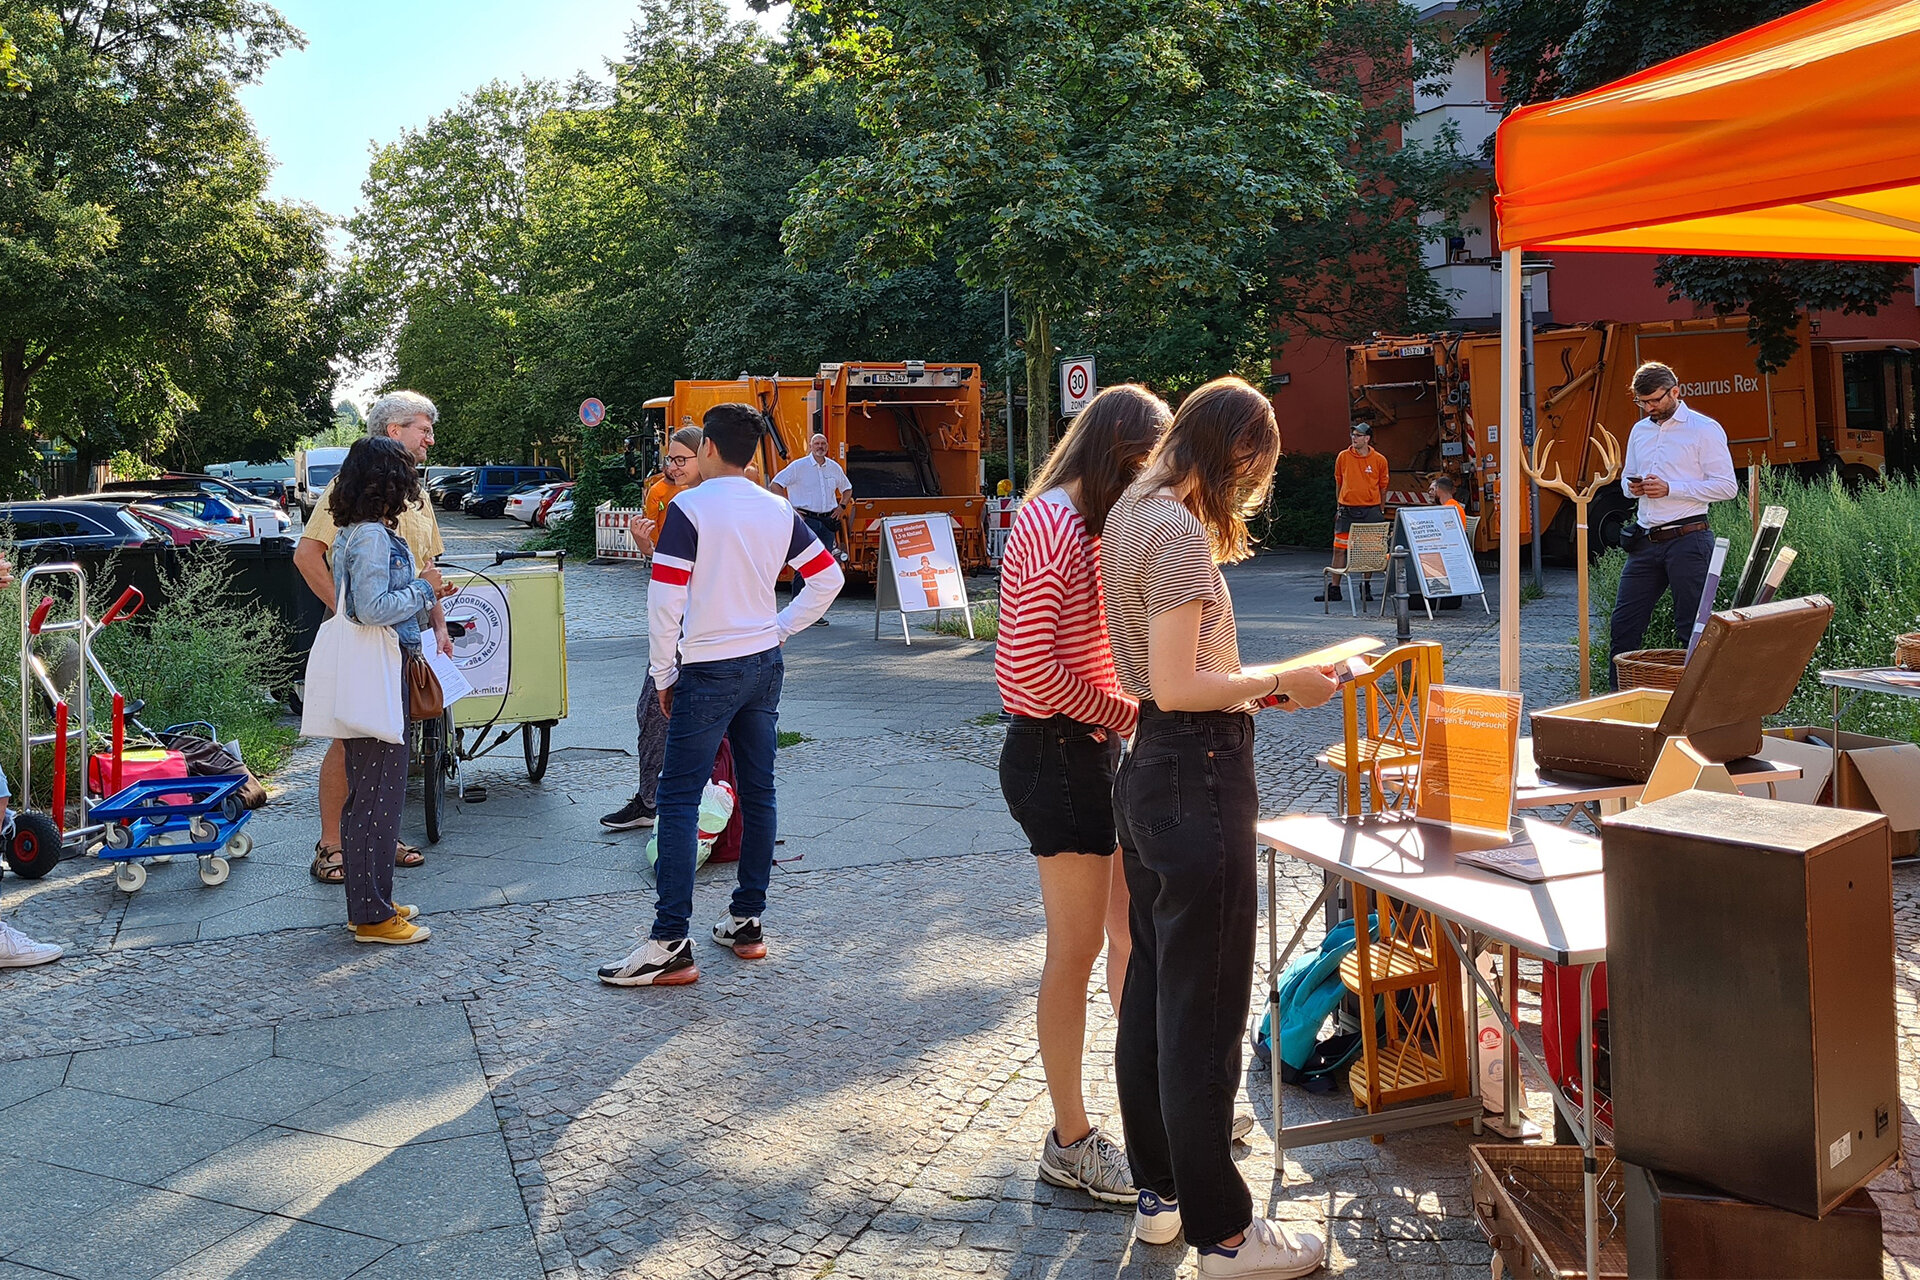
[
  {"x": 1869, "y": 680},
  {"x": 1563, "y": 920}
]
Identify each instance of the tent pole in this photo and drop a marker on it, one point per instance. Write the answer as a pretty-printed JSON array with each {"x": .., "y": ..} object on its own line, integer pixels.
[{"x": 1513, "y": 485}]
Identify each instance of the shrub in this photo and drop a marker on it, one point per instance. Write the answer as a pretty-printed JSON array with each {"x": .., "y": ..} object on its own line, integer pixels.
[
  {"x": 1859, "y": 548},
  {"x": 1300, "y": 511}
]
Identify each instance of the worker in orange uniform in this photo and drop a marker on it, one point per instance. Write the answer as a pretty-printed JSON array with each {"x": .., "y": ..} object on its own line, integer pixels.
[
  {"x": 1360, "y": 486},
  {"x": 929, "y": 582},
  {"x": 1441, "y": 490}
]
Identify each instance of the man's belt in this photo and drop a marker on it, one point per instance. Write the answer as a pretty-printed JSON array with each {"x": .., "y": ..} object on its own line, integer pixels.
[
  {"x": 818, "y": 515},
  {"x": 1677, "y": 529}
]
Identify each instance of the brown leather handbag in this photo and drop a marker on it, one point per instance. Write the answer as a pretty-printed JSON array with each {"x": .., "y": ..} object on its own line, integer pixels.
[{"x": 425, "y": 701}]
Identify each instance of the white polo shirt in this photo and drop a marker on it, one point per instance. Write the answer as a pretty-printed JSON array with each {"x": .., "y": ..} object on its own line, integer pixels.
[
  {"x": 1689, "y": 451},
  {"x": 813, "y": 486}
]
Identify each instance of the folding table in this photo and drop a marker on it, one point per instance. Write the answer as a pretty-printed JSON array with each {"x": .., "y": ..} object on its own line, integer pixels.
[{"x": 1560, "y": 920}]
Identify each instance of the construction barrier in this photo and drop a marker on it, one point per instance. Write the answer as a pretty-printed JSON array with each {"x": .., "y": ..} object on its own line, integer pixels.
[
  {"x": 610, "y": 538},
  {"x": 999, "y": 523}
]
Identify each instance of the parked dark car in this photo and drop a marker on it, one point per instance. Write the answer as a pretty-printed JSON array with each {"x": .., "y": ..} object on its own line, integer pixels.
[
  {"x": 449, "y": 491},
  {"x": 224, "y": 503},
  {"x": 266, "y": 487},
  {"x": 57, "y": 530},
  {"x": 227, "y": 517},
  {"x": 492, "y": 485}
]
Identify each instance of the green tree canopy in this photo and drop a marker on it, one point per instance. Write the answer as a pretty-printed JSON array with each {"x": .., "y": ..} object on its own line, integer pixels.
[
  {"x": 149, "y": 296},
  {"x": 1554, "y": 48},
  {"x": 1073, "y": 149}
]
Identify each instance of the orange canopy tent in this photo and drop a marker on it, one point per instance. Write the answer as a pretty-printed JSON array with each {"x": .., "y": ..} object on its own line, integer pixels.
[{"x": 1799, "y": 138}]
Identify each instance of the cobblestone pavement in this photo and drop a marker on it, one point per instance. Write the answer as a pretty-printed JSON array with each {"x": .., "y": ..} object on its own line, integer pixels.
[{"x": 250, "y": 1094}]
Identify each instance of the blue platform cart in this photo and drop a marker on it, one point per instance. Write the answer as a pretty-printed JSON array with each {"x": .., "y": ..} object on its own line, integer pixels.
[{"x": 200, "y": 816}]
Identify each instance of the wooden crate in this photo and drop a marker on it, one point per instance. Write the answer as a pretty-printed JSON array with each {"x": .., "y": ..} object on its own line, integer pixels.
[{"x": 1530, "y": 1204}]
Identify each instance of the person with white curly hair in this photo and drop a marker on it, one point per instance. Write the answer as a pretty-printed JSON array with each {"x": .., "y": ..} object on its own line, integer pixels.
[{"x": 409, "y": 417}]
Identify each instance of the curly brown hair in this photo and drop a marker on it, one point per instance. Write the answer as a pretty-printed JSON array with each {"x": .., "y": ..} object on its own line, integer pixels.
[{"x": 376, "y": 482}]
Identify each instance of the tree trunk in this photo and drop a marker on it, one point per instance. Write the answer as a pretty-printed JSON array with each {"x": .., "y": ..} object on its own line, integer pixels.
[{"x": 1039, "y": 389}]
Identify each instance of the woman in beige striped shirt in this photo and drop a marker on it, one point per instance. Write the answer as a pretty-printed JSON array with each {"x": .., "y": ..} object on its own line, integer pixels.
[{"x": 1185, "y": 804}]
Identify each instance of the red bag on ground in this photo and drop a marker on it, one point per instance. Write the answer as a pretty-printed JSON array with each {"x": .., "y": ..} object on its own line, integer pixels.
[
  {"x": 135, "y": 765},
  {"x": 726, "y": 846},
  {"x": 1560, "y": 1034}
]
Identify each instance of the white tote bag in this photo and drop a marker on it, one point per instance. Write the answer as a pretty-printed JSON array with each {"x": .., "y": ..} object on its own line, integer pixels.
[{"x": 354, "y": 681}]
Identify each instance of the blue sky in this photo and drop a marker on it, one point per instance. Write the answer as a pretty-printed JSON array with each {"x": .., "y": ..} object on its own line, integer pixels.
[{"x": 374, "y": 67}]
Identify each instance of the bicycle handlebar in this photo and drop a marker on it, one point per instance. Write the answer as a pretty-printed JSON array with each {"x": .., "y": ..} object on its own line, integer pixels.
[
  {"x": 501, "y": 557},
  {"x": 40, "y": 615}
]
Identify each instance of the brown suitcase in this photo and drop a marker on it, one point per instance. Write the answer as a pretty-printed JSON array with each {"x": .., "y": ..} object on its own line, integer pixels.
[
  {"x": 1680, "y": 1230},
  {"x": 1530, "y": 1203},
  {"x": 1746, "y": 668}
]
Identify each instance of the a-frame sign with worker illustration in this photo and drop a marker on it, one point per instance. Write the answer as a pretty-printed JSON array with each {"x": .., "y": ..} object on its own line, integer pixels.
[{"x": 919, "y": 570}]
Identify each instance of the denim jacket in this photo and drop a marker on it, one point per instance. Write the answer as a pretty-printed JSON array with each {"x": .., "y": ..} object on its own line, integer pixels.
[{"x": 382, "y": 591}]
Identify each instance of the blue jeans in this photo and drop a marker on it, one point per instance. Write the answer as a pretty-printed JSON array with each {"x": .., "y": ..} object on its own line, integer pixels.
[{"x": 738, "y": 698}]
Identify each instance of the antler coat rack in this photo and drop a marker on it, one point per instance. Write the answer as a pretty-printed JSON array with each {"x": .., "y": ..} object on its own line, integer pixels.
[{"x": 1535, "y": 466}]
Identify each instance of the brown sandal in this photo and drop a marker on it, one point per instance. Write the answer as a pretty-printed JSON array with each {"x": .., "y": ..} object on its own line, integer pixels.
[
  {"x": 406, "y": 855},
  {"x": 329, "y": 865}
]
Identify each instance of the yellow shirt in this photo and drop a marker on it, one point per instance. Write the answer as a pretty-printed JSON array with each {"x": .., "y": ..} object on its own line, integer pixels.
[{"x": 417, "y": 528}]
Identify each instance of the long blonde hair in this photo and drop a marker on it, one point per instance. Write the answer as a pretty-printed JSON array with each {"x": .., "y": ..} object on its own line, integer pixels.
[{"x": 1225, "y": 440}]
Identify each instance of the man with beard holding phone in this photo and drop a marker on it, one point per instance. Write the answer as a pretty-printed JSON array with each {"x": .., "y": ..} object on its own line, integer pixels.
[{"x": 1677, "y": 463}]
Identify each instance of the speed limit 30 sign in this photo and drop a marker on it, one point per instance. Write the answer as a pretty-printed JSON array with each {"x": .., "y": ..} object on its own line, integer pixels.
[{"x": 1077, "y": 386}]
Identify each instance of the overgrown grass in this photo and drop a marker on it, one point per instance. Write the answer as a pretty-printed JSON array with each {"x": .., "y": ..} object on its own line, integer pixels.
[
  {"x": 986, "y": 620},
  {"x": 1859, "y": 549}
]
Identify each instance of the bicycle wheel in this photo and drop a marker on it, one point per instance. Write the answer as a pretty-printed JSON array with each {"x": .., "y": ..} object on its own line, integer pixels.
[
  {"x": 536, "y": 755},
  {"x": 433, "y": 789}
]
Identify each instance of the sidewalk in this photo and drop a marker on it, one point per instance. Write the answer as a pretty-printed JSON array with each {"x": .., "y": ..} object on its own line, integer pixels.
[{"x": 216, "y": 1082}]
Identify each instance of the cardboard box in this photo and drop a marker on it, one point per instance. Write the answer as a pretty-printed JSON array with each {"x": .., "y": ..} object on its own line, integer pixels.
[
  {"x": 1877, "y": 775},
  {"x": 1746, "y": 667}
]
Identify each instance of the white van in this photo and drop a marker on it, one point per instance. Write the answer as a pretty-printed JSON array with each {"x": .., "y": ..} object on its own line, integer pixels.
[{"x": 314, "y": 470}]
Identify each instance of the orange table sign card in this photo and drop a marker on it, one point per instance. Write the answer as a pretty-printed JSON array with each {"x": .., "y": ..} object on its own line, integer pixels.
[{"x": 1469, "y": 755}]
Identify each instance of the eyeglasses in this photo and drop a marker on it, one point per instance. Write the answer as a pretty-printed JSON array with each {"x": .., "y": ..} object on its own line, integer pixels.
[
  {"x": 679, "y": 460},
  {"x": 1648, "y": 401}
]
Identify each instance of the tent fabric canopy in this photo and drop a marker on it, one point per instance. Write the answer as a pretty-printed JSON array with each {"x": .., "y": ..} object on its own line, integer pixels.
[{"x": 1799, "y": 138}]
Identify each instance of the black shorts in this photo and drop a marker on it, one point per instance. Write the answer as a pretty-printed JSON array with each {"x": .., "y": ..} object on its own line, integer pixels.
[
  {"x": 1057, "y": 777},
  {"x": 1345, "y": 518}
]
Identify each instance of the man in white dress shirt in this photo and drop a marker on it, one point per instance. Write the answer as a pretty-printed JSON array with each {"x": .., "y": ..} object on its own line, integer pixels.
[
  {"x": 819, "y": 491},
  {"x": 1677, "y": 462}
]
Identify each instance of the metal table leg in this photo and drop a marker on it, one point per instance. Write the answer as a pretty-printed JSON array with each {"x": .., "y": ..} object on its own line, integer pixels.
[
  {"x": 1589, "y": 1168},
  {"x": 1276, "y": 958}
]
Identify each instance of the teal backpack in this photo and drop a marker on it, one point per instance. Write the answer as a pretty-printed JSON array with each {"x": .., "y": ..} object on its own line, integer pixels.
[{"x": 1310, "y": 993}]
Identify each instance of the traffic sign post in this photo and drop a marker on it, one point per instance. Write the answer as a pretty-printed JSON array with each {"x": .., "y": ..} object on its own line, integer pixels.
[
  {"x": 1077, "y": 385},
  {"x": 592, "y": 412}
]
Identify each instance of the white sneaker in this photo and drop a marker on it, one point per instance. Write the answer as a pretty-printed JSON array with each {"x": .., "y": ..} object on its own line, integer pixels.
[
  {"x": 1242, "y": 1125},
  {"x": 1155, "y": 1221},
  {"x": 18, "y": 951},
  {"x": 653, "y": 964},
  {"x": 1271, "y": 1251}
]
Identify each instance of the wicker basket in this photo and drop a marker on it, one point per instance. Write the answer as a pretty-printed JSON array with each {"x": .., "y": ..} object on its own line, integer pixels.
[
  {"x": 1651, "y": 668},
  {"x": 1906, "y": 651}
]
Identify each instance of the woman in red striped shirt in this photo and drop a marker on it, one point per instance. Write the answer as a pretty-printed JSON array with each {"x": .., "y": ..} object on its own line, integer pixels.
[{"x": 1055, "y": 671}]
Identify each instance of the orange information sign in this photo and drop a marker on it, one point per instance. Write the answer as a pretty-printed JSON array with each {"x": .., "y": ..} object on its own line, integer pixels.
[{"x": 1469, "y": 754}]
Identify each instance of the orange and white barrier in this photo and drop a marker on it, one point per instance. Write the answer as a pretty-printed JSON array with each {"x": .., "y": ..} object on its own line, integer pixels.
[{"x": 999, "y": 525}]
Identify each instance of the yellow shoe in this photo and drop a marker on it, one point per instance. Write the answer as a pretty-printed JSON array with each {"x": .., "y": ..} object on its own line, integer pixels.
[
  {"x": 395, "y": 931},
  {"x": 399, "y": 913}
]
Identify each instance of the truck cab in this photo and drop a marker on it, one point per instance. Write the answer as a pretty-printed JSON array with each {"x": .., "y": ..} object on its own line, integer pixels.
[{"x": 1864, "y": 404}]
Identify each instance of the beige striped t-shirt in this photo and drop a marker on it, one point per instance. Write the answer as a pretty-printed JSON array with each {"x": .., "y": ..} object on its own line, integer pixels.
[{"x": 1154, "y": 556}]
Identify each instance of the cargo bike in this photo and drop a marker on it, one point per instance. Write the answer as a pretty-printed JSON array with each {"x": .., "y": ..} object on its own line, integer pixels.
[{"x": 509, "y": 626}]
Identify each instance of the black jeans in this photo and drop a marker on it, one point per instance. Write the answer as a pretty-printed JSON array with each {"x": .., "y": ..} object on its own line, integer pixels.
[
  {"x": 825, "y": 527},
  {"x": 1185, "y": 804},
  {"x": 1057, "y": 777},
  {"x": 1680, "y": 564}
]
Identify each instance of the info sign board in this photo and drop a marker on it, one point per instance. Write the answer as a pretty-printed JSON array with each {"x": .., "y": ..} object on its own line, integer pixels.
[
  {"x": 1438, "y": 555},
  {"x": 1077, "y": 387},
  {"x": 1469, "y": 757},
  {"x": 919, "y": 570}
]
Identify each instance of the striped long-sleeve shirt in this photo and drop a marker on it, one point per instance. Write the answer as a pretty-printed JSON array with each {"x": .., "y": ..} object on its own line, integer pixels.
[
  {"x": 1052, "y": 657},
  {"x": 715, "y": 561}
]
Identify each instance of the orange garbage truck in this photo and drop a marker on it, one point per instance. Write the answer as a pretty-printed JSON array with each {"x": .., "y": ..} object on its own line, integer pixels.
[
  {"x": 1434, "y": 403},
  {"x": 907, "y": 433}
]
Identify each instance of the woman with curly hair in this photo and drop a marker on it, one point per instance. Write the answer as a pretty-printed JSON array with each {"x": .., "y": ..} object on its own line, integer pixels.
[{"x": 373, "y": 572}]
